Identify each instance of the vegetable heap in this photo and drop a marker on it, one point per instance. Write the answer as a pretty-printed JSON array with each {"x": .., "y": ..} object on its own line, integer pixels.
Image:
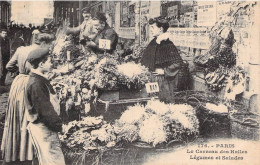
[
  {"x": 89, "y": 134},
  {"x": 132, "y": 75},
  {"x": 156, "y": 123}
]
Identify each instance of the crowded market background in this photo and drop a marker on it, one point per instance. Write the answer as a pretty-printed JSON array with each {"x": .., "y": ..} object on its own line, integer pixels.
[{"x": 128, "y": 78}]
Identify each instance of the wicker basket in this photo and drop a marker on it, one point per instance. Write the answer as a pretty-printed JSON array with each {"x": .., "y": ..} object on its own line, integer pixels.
[
  {"x": 213, "y": 124},
  {"x": 245, "y": 126}
]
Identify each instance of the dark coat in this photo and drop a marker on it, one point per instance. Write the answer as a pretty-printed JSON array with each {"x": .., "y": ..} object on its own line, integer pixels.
[
  {"x": 109, "y": 34},
  {"x": 5, "y": 49},
  {"x": 38, "y": 101},
  {"x": 166, "y": 56},
  {"x": 4, "y": 57}
]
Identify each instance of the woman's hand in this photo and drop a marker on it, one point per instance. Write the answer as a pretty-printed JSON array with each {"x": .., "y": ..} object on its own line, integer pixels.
[
  {"x": 91, "y": 44},
  {"x": 158, "y": 71}
]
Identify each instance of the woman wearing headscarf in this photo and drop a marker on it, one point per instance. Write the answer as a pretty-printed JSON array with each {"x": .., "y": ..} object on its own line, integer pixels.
[
  {"x": 162, "y": 58},
  {"x": 16, "y": 144}
]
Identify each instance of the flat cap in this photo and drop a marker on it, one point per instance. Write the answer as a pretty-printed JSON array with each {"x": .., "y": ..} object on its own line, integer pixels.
[
  {"x": 85, "y": 10},
  {"x": 37, "y": 55}
]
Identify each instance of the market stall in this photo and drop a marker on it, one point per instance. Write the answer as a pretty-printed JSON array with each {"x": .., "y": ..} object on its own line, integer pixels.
[{"x": 111, "y": 111}]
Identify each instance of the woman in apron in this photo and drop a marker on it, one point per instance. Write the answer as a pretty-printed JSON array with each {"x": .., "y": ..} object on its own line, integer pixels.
[{"x": 16, "y": 144}]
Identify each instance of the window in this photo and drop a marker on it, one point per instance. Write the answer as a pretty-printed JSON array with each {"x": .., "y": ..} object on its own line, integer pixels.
[{"x": 127, "y": 14}]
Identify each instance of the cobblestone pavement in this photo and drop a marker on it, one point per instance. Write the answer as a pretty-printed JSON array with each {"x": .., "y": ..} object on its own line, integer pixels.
[{"x": 4, "y": 92}]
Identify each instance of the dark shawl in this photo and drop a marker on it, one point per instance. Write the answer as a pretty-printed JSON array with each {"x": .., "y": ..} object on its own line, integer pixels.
[{"x": 160, "y": 55}]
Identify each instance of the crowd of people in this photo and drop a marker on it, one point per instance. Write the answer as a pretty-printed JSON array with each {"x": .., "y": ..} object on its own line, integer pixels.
[
  {"x": 32, "y": 120},
  {"x": 12, "y": 38}
]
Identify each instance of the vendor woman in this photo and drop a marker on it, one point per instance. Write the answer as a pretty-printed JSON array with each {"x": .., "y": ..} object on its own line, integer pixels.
[
  {"x": 103, "y": 31},
  {"x": 162, "y": 58}
]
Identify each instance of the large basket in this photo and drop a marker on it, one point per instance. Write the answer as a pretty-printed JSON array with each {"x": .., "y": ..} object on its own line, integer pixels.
[
  {"x": 245, "y": 126},
  {"x": 213, "y": 124}
]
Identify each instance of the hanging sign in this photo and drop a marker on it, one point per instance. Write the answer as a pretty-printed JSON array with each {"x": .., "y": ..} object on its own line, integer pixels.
[
  {"x": 206, "y": 13},
  {"x": 104, "y": 44}
]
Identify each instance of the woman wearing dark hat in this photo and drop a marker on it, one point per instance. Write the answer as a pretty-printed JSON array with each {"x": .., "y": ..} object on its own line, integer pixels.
[
  {"x": 104, "y": 31},
  {"x": 16, "y": 144},
  {"x": 162, "y": 58},
  {"x": 44, "y": 120}
]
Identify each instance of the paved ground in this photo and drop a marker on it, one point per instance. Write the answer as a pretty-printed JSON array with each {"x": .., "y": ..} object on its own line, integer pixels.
[{"x": 4, "y": 91}]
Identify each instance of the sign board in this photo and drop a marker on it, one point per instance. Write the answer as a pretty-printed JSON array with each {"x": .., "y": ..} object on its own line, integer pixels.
[
  {"x": 104, "y": 44},
  {"x": 173, "y": 11},
  {"x": 126, "y": 32},
  {"x": 152, "y": 87},
  {"x": 190, "y": 37},
  {"x": 207, "y": 13}
]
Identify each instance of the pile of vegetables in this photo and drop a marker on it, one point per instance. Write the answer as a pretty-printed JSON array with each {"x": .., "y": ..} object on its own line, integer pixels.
[
  {"x": 132, "y": 75},
  {"x": 226, "y": 77},
  {"x": 105, "y": 74},
  {"x": 156, "y": 123},
  {"x": 90, "y": 133},
  {"x": 135, "y": 55},
  {"x": 76, "y": 81}
]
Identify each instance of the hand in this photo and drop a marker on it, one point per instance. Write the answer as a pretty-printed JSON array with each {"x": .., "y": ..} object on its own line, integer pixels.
[
  {"x": 66, "y": 23},
  {"x": 91, "y": 43},
  {"x": 158, "y": 72}
]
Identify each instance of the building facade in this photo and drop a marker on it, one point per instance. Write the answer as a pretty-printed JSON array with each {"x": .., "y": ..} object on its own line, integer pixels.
[{"x": 5, "y": 13}]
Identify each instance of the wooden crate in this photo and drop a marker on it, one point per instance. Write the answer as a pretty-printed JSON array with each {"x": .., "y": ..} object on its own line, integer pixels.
[
  {"x": 109, "y": 95},
  {"x": 133, "y": 93}
]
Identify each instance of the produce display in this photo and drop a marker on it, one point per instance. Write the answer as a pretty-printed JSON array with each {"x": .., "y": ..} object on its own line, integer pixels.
[
  {"x": 156, "y": 123},
  {"x": 219, "y": 62},
  {"x": 78, "y": 76},
  {"x": 133, "y": 76},
  {"x": 90, "y": 133}
]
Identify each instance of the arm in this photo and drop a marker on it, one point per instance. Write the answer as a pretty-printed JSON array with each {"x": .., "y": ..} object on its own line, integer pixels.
[
  {"x": 176, "y": 60},
  {"x": 74, "y": 31},
  {"x": 12, "y": 64},
  {"x": 40, "y": 99}
]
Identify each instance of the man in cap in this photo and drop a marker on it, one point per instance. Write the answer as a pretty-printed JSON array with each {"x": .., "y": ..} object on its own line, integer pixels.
[
  {"x": 44, "y": 120},
  {"x": 104, "y": 31},
  {"x": 85, "y": 29},
  {"x": 4, "y": 54}
]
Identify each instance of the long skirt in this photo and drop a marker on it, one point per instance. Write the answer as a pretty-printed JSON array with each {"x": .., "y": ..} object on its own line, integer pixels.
[
  {"x": 16, "y": 143},
  {"x": 47, "y": 144},
  {"x": 167, "y": 87}
]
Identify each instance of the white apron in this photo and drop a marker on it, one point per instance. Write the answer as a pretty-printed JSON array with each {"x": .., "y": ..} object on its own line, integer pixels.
[{"x": 47, "y": 144}]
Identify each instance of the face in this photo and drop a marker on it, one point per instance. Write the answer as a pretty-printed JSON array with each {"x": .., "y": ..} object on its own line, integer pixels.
[
  {"x": 86, "y": 16},
  {"x": 155, "y": 31},
  {"x": 96, "y": 25},
  {"x": 47, "y": 65},
  {"x": 101, "y": 25},
  {"x": 4, "y": 34}
]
